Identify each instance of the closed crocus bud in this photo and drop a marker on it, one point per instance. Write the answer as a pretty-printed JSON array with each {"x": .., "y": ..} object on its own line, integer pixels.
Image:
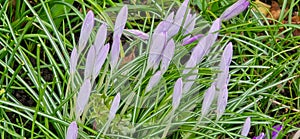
[
  {"x": 100, "y": 37},
  {"x": 246, "y": 127},
  {"x": 156, "y": 49},
  {"x": 83, "y": 97},
  {"x": 114, "y": 107},
  {"x": 234, "y": 9},
  {"x": 99, "y": 61},
  {"x": 154, "y": 80},
  {"x": 177, "y": 94},
  {"x": 90, "y": 60},
  {"x": 167, "y": 55},
  {"x": 72, "y": 131},
  {"x": 139, "y": 34},
  {"x": 73, "y": 61},
  {"x": 118, "y": 30},
  {"x": 85, "y": 31}
]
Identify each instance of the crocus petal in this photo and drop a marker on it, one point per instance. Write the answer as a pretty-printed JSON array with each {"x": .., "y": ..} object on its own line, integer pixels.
[
  {"x": 222, "y": 77},
  {"x": 120, "y": 22},
  {"x": 100, "y": 37},
  {"x": 139, "y": 34},
  {"x": 167, "y": 55},
  {"x": 208, "y": 99},
  {"x": 72, "y": 131},
  {"x": 261, "y": 136},
  {"x": 118, "y": 30},
  {"x": 73, "y": 61},
  {"x": 90, "y": 60},
  {"x": 191, "y": 39},
  {"x": 114, "y": 107},
  {"x": 189, "y": 24},
  {"x": 215, "y": 27},
  {"x": 177, "y": 94},
  {"x": 156, "y": 49},
  {"x": 275, "y": 132},
  {"x": 173, "y": 30},
  {"x": 234, "y": 9},
  {"x": 114, "y": 54},
  {"x": 222, "y": 102},
  {"x": 181, "y": 12},
  {"x": 83, "y": 97},
  {"x": 246, "y": 127},
  {"x": 86, "y": 30},
  {"x": 154, "y": 80},
  {"x": 100, "y": 59}
]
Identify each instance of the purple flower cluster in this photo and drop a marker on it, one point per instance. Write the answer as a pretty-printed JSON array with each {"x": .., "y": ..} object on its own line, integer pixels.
[{"x": 96, "y": 56}]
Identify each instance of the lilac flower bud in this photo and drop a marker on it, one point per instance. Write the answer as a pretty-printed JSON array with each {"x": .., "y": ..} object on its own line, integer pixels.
[
  {"x": 173, "y": 30},
  {"x": 73, "y": 61},
  {"x": 207, "y": 100},
  {"x": 90, "y": 60},
  {"x": 156, "y": 49},
  {"x": 154, "y": 80},
  {"x": 83, "y": 97},
  {"x": 100, "y": 59},
  {"x": 177, "y": 94},
  {"x": 114, "y": 107},
  {"x": 246, "y": 127},
  {"x": 235, "y": 9},
  {"x": 222, "y": 78},
  {"x": 118, "y": 30},
  {"x": 261, "y": 136},
  {"x": 191, "y": 39},
  {"x": 139, "y": 34},
  {"x": 167, "y": 55},
  {"x": 86, "y": 30},
  {"x": 72, "y": 131},
  {"x": 100, "y": 37},
  {"x": 275, "y": 132}
]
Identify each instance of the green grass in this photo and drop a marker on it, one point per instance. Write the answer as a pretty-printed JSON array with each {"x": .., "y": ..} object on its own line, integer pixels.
[{"x": 36, "y": 41}]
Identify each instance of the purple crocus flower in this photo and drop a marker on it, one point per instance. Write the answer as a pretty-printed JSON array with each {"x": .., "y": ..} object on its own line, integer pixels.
[
  {"x": 178, "y": 19},
  {"x": 177, "y": 94},
  {"x": 90, "y": 61},
  {"x": 118, "y": 30},
  {"x": 275, "y": 132},
  {"x": 114, "y": 107},
  {"x": 246, "y": 127},
  {"x": 72, "y": 131},
  {"x": 86, "y": 30},
  {"x": 83, "y": 97},
  {"x": 100, "y": 37},
  {"x": 167, "y": 55},
  {"x": 222, "y": 80},
  {"x": 154, "y": 80},
  {"x": 156, "y": 49},
  {"x": 99, "y": 61},
  {"x": 234, "y": 9},
  {"x": 73, "y": 61},
  {"x": 139, "y": 34}
]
